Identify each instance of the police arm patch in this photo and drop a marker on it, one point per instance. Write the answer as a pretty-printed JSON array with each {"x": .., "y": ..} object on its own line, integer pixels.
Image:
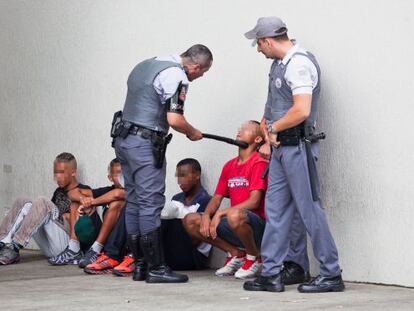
[{"x": 176, "y": 102}]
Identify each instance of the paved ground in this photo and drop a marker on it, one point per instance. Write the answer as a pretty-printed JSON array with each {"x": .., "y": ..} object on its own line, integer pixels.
[{"x": 34, "y": 285}]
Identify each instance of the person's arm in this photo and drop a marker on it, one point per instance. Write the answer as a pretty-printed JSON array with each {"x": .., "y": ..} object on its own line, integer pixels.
[
  {"x": 265, "y": 150},
  {"x": 179, "y": 123},
  {"x": 172, "y": 85},
  {"x": 110, "y": 196},
  {"x": 298, "y": 113},
  {"x": 253, "y": 202},
  {"x": 301, "y": 76},
  {"x": 213, "y": 205},
  {"x": 211, "y": 209},
  {"x": 77, "y": 194}
]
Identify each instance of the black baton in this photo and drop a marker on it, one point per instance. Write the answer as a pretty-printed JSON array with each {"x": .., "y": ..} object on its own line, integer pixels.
[
  {"x": 230, "y": 141},
  {"x": 313, "y": 175}
]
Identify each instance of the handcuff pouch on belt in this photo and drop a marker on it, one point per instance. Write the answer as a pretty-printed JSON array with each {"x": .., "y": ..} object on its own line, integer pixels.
[{"x": 119, "y": 127}]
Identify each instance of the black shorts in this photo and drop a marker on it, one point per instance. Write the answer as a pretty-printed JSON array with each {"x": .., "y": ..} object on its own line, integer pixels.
[
  {"x": 256, "y": 223},
  {"x": 179, "y": 251}
]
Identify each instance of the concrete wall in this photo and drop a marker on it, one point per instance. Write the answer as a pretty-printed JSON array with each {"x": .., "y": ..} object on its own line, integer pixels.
[{"x": 64, "y": 67}]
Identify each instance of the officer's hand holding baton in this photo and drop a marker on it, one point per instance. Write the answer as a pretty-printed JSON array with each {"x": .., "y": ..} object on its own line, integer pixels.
[{"x": 195, "y": 135}]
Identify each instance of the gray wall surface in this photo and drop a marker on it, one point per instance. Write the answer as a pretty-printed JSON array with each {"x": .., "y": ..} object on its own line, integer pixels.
[{"x": 64, "y": 66}]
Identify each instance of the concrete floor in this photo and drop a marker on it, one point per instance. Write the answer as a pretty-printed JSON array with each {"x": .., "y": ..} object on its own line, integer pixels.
[{"x": 34, "y": 285}]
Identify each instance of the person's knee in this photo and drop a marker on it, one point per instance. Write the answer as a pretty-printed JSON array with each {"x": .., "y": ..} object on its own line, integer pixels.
[
  {"x": 236, "y": 218},
  {"x": 42, "y": 204},
  {"x": 191, "y": 222}
]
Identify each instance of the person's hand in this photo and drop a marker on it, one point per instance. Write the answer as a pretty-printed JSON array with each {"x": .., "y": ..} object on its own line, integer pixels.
[
  {"x": 81, "y": 210},
  {"x": 86, "y": 201},
  {"x": 265, "y": 151},
  {"x": 273, "y": 140},
  {"x": 205, "y": 226},
  {"x": 195, "y": 135},
  {"x": 214, "y": 224}
]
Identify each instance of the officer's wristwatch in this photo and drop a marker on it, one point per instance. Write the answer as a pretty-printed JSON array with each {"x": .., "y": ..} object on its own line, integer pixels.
[{"x": 270, "y": 129}]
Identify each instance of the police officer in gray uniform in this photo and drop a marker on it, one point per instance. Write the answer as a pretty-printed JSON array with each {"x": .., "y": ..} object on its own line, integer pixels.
[
  {"x": 157, "y": 89},
  {"x": 289, "y": 122}
]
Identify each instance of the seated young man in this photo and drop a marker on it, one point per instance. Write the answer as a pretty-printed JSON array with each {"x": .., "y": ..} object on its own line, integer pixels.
[
  {"x": 42, "y": 219},
  {"x": 85, "y": 202},
  {"x": 237, "y": 230},
  {"x": 181, "y": 252},
  {"x": 113, "y": 258}
]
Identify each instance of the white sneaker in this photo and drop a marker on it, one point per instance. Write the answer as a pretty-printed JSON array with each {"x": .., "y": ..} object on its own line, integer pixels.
[
  {"x": 231, "y": 265},
  {"x": 250, "y": 269}
]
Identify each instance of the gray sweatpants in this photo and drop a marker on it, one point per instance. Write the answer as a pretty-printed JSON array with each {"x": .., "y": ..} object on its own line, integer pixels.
[
  {"x": 144, "y": 184},
  {"x": 35, "y": 219},
  {"x": 288, "y": 197}
]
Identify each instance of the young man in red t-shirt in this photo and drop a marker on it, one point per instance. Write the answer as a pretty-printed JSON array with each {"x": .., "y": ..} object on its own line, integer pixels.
[{"x": 242, "y": 225}]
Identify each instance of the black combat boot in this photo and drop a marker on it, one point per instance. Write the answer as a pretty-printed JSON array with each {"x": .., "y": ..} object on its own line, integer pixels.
[
  {"x": 293, "y": 273},
  {"x": 266, "y": 283},
  {"x": 323, "y": 284},
  {"x": 140, "y": 270},
  {"x": 158, "y": 271}
]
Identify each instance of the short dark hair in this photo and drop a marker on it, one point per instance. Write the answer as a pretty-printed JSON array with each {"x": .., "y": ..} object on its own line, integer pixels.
[
  {"x": 254, "y": 121},
  {"x": 66, "y": 157},
  {"x": 114, "y": 162},
  {"x": 195, "y": 165},
  {"x": 199, "y": 54}
]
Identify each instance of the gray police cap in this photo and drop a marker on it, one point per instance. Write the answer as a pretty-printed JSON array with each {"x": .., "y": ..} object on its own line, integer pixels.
[{"x": 270, "y": 26}]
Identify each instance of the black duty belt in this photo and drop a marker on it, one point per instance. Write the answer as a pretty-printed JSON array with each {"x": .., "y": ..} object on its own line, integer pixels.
[
  {"x": 145, "y": 133},
  {"x": 291, "y": 136}
]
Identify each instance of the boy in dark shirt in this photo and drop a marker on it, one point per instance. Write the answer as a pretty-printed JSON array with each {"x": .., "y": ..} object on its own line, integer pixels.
[
  {"x": 108, "y": 248},
  {"x": 44, "y": 220},
  {"x": 181, "y": 252}
]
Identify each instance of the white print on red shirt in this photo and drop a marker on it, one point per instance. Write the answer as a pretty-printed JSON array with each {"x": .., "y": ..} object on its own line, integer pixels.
[{"x": 238, "y": 182}]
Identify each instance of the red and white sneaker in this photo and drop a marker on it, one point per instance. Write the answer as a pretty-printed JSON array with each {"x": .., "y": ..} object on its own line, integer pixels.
[
  {"x": 250, "y": 269},
  {"x": 231, "y": 265}
]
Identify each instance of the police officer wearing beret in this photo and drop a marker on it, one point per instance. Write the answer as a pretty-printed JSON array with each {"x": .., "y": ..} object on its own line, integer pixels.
[
  {"x": 291, "y": 143},
  {"x": 157, "y": 88}
]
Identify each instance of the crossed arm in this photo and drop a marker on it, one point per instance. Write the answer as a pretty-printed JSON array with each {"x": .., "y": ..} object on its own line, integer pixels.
[{"x": 87, "y": 202}]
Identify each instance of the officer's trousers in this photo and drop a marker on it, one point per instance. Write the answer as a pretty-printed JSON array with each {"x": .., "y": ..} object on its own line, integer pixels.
[
  {"x": 144, "y": 184},
  {"x": 289, "y": 194}
]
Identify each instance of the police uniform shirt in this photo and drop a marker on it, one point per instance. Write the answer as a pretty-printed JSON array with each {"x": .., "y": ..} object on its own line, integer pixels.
[
  {"x": 167, "y": 81},
  {"x": 301, "y": 74}
]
